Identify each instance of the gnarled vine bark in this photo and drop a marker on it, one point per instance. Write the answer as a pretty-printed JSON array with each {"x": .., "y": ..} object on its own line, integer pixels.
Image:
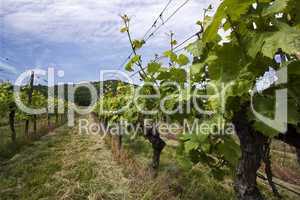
[
  {"x": 252, "y": 148},
  {"x": 158, "y": 145},
  {"x": 268, "y": 169},
  {"x": 12, "y": 123}
]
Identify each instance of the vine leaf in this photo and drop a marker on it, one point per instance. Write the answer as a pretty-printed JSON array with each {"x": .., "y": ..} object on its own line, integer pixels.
[
  {"x": 196, "y": 48},
  {"x": 233, "y": 8},
  {"x": 153, "y": 67},
  {"x": 171, "y": 55},
  {"x": 227, "y": 63},
  {"x": 182, "y": 60},
  {"x": 197, "y": 68},
  {"x": 287, "y": 38},
  {"x": 230, "y": 150},
  {"x": 124, "y": 29},
  {"x": 133, "y": 60},
  {"x": 178, "y": 75},
  {"x": 137, "y": 44},
  {"x": 276, "y": 7}
]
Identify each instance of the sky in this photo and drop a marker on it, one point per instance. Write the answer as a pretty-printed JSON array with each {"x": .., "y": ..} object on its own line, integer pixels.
[{"x": 82, "y": 37}]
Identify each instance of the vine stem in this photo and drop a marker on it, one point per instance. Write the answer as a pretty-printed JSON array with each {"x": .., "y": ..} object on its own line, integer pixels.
[
  {"x": 133, "y": 49},
  {"x": 268, "y": 168},
  {"x": 31, "y": 81},
  {"x": 172, "y": 47},
  {"x": 143, "y": 75}
]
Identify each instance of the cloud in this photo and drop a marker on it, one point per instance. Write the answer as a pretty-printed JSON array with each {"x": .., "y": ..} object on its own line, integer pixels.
[
  {"x": 60, "y": 21},
  {"x": 86, "y": 32},
  {"x": 7, "y": 68},
  {"x": 92, "y": 20}
]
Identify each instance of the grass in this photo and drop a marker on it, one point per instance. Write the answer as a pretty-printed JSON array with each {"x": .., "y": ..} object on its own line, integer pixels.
[
  {"x": 62, "y": 166},
  {"x": 66, "y": 165},
  {"x": 3, "y": 121},
  {"x": 8, "y": 148},
  {"x": 183, "y": 183},
  {"x": 28, "y": 175},
  {"x": 176, "y": 182}
]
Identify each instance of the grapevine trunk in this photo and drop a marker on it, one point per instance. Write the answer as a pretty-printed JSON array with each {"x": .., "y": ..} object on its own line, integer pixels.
[
  {"x": 12, "y": 124},
  {"x": 252, "y": 148},
  {"x": 157, "y": 145}
]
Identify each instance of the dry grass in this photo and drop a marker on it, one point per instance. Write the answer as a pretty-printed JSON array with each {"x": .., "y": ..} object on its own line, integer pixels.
[
  {"x": 63, "y": 166},
  {"x": 69, "y": 166}
]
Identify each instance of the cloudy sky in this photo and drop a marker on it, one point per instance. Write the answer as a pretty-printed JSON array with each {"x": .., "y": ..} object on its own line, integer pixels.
[{"x": 82, "y": 37}]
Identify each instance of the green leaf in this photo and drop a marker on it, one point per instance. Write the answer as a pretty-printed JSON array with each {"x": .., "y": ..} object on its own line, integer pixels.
[
  {"x": 197, "y": 69},
  {"x": 201, "y": 138},
  {"x": 207, "y": 21},
  {"x": 196, "y": 48},
  {"x": 174, "y": 42},
  {"x": 205, "y": 147},
  {"x": 254, "y": 43},
  {"x": 233, "y": 8},
  {"x": 178, "y": 75},
  {"x": 294, "y": 10},
  {"x": 190, "y": 145},
  {"x": 226, "y": 65},
  {"x": 171, "y": 55},
  {"x": 230, "y": 150},
  {"x": 124, "y": 29},
  {"x": 287, "y": 38},
  {"x": 137, "y": 44},
  {"x": 264, "y": 129},
  {"x": 264, "y": 105},
  {"x": 136, "y": 58},
  {"x": 132, "y": 61},
  {"x": 276, "y": 7},
  {"x": 153, "y": 67},
  {"x": 163, "y": 75},
  {"x": 199, "y": 23},
  {"x": 218, "y": 174},
  {"x": 211, "y": 33},
  {"x": 239, "y": 87},
  {"x": 293, "y": 113},
  {"x": 182, "y": 60},
  {"x": 129, "y": 66}
]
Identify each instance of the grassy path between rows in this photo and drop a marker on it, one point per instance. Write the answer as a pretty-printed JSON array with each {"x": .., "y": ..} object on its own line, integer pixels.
[{"x": 63, "y": 166}]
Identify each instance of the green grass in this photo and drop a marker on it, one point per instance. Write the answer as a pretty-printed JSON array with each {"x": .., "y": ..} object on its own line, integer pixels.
[
  {"x": 197, "y": 183},
  {"x": 176, "y": 181},
  {"x": 62, "y": 166},
  {"x": 28, "y": 175},
  {"x": 8, "y": 148},
  {"x": 3, "y": 121},
  {"x": 71, "y": 166}
]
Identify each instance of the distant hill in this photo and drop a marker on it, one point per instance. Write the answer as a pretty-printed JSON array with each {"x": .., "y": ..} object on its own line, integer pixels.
[{"x": 82, "y": 95}]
